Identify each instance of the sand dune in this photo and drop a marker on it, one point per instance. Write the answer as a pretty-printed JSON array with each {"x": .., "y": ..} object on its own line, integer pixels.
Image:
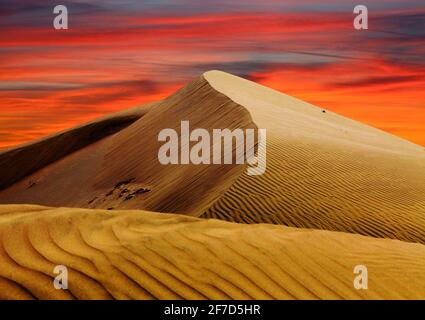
[
  {"x": 144, "y": 255},
  {"x": 104, "y": 173},
  {"x": 356, "y": 183},
  {"x": 324, "y": 171}
]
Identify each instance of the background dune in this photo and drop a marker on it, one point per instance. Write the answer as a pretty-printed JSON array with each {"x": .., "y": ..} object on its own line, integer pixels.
[
  {"x": 123, "y": 171},
  {"x": 144, "y": 255}
]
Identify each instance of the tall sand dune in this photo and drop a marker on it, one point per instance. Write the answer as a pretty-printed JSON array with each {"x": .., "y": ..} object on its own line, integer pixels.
[
  {"x": 364, "y": 188},
  {"x": 324, "y": 171},
  {"x": 145, "y": 255},
  {"x": 17, "y": 163},
  {"x": 123, "y": 170}
]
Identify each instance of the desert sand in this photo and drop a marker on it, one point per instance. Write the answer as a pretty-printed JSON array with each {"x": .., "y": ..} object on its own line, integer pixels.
[
  {"x": 336, "y": 194},
  {"x": 145, "y": 255}
]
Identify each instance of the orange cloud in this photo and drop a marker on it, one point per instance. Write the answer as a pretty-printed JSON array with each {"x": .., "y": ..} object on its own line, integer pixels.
[{"x": 52, "y": 79}]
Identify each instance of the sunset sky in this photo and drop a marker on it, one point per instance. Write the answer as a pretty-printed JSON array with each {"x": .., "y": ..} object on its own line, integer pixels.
[{"x": 121, "y": 53}]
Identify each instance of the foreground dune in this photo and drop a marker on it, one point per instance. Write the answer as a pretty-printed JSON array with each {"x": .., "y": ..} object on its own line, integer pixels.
[{"x": 144, "y": 255}]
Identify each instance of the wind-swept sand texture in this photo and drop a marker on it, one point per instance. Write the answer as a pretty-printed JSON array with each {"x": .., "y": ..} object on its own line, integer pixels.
[
  {"x": 16, "y": 163},
  {"x": 144, "y": 255},
  {"x": 324, "y": 171}
]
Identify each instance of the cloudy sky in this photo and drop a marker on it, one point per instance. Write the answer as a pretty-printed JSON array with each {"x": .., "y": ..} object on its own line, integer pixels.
[{"x": 120, "y": 53}]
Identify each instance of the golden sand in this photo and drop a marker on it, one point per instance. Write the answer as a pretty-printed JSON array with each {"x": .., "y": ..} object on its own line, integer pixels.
[{"x": 145, "y": 255}]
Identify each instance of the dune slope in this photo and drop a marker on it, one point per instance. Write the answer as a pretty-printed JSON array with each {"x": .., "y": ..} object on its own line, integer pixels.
[
  {"x": 144, "y": 255},
  {"x": 123, "y": 170},
  {"x": 17, "y": 163},
  {"x": 324, "y": 171}
]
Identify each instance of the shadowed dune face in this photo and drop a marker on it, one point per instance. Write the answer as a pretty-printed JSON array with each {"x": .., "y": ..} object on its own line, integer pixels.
[
  {"x": 123, "y": 170},
  {"x": 180, "y": 188},
  {"x": 19, "y": 162},
  {"x": 143, "y": 255}
]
